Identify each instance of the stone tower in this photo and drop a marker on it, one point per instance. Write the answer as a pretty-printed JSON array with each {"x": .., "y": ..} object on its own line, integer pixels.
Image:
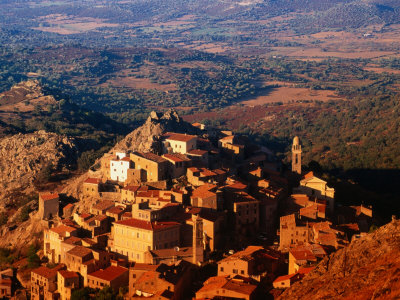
[
  {"x": 296, "y": 155},
  {"x": 198, "y": 251}
]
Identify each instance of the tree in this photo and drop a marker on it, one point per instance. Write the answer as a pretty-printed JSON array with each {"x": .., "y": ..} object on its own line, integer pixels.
[
  {"x": 81, "y": 294},
  {"x": 33, "y": 258}
]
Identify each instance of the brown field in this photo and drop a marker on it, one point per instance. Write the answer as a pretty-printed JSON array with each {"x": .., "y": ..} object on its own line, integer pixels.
[
  {"x": 140, "y": 83},
  {"x": 317, "y": 52},
  {"x": 63, "y": 24},
  {"x": 382, "y": 70},
  {"x": 285, "y": 94}
]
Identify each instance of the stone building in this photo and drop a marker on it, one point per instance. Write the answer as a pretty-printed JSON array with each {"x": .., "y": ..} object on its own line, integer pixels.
[
  {"x": 132, "y": 238},
  {"x": 316, "y": 187},
  {"x": 67, "y": 281},
  {"x": 293, "y": 231},
  {"x": 296, "y": 156},
  {"x": 49, "y": 205},
  {"x": 153, "y": 167},
  {"x": 179, "y": 143},
  {"x": 112, "y": 276},
  {"x": 254, "y": 261},
  {"x": 53, "y": 239},
  {"x": 44, "y": 283}
]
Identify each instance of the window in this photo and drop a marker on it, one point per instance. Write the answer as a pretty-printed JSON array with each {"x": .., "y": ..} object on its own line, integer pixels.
[
  {"x": 242, "y": 272},
  {"x": 222, "y": 269},
  {"x": 235, "y": 271}
]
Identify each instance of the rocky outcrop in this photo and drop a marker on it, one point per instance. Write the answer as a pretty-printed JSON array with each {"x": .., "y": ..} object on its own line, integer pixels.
[
  {"x": 369, "y": 268},
  {"x": 24, "y": 157},
  {"x": 146, "y": 138}
]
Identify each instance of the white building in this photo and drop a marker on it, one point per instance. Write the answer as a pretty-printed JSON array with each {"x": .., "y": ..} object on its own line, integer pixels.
[
  {"x": 179, "y": 143},
  {"x": 119, "y": 167}
]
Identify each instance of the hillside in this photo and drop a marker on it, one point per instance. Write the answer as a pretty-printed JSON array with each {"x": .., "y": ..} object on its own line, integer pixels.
[
  {"x": 27, "y": 158},
  {"x": 146, "y": 138},
  {"x": 367, "y": 269},
  {"x": 29, "y": 106}
]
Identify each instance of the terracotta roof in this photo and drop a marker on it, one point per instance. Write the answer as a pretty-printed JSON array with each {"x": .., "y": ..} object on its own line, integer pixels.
[
  {"x": 62, "y": 229},
  {"x": 102, "y": 205},
  {"x": 180, "y": 137},
  {"x": 309, "y": 175},
  {"x": 80, "y": 251},
  {"x": 176, "y": 157},
  {"x": 147, "y": 225},
  {"x": 149, "y": 193},
  {"x": 69, "y": 205},
  {"x": 115, "y": 210},
  {"x": 196, "y": 124},
  {"x": 146, "y": 267},
  {"x": 47, "y": 272},
  {"x": 204, "y": 191},
  {"x": 303, "y": 255},
  {"x": 132, "y": 188},
  {"x": 73, "y": 240},
  {"x": 197, "y": 152},
  {"x": 151, "y": 156},
  {"x": 240, "y": 286},
  {"x": 305, "y": 271},
  {"x": 126, "y": 158},
  {"x": 237, "y": 284},
  {"x": 109, "y": 273},
  {"x": 237, "y": 186},
  {"x": 93, "y": 180},
  {"x": 49, "y": 196},
  {"x": 294, "y": 276},
  {"x": 68, "y": 274},
  {"x": 85, "y": 215}
]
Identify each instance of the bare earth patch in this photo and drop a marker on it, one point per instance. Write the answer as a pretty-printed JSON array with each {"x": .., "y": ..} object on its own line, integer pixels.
[{"x": 285, "y": 94}]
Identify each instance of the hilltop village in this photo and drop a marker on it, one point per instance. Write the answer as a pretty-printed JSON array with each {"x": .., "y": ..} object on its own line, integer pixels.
[{"x": 206, "y": 214}]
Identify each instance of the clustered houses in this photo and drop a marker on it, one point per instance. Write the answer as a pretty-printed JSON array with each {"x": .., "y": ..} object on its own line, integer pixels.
[
  {"x": 156, "y": 217},
  {"x": 311, "y": 226}
]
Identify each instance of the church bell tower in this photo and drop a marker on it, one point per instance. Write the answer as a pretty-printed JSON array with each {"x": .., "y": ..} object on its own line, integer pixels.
[{"x": 296, "y": 155}]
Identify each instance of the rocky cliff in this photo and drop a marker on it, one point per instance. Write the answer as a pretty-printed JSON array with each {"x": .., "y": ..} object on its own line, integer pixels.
[
  {"x": 369, "y": 268},
  {"x": 24, "y": 157},
  {"x": 147, "y": 137}
]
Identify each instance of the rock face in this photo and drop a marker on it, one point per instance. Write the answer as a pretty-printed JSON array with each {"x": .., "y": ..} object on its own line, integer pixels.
[
  {"x": 369, "y": 268},
  {"x": 24, "y": 156},
  {"x": 146, "y": 138}
]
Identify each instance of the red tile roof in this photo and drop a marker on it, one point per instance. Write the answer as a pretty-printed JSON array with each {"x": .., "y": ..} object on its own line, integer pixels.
[
  {"x": 176, "y": 157},
  {"x": 197, "y": 152},
  {"x": 294, "y": 276},
  {"x": 132, "y": 188},
  {"x": 303, "y": 255},
  {"x": 49, "y": 196},
  {"x": 115, "y": 210},
  {"x": 109, "y": 273},
  {"x": 204, "y": 191},
  {"x": 92, "y": 180},
  {"x": 151, "y": 156},
  {"x": 80, "y": 251},
  {"x": 62, "y": 229},
  {"x": 305, "y": 271},
  {"x": 309, "y": 175},
  {"x": 147, "y": 225},
  {"x": 180, "y": 137},
  {"x": 69, "y": 205},
  {"x": 47, "y": 272},
  {"x": 68, "y": 274}
]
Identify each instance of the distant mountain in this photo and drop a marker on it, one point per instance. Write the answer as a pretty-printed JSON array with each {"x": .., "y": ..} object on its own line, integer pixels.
[{"x": 367, "y": 269}]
